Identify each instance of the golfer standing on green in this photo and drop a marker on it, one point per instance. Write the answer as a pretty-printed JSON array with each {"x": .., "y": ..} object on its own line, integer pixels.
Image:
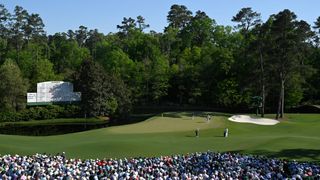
[
  {"x": 226, "y": 132},
  {"x": 197, "y": 132}
]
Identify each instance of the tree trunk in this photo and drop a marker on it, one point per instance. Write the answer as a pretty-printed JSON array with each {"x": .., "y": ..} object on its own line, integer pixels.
[
  {"x": 282, "y": 99},
  {"x": 279, "y": 105},
  {"x": 263, "y": 100},
  {"x": 262, "y": 83}
]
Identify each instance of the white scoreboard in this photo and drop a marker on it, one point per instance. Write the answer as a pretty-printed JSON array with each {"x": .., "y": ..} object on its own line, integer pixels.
[{"x": 53, "y": 91}]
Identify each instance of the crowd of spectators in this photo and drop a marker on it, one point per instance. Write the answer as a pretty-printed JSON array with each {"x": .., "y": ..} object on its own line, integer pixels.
[{"x": 206, "y": 165}]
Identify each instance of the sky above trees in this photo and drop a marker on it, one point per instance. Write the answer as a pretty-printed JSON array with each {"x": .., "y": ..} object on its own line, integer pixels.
[{"x": 62, "y": 15}]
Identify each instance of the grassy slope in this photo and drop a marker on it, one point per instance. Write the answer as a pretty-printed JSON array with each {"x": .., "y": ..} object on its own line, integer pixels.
[{"x": 295, "y": 138}]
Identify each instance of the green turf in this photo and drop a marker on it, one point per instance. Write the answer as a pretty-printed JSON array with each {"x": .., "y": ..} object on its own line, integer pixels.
[{"x": 297, "y": 137}]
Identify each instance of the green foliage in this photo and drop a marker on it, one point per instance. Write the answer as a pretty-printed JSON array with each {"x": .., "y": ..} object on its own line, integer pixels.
[
  {"x": 71, "y": 111},
  {"x": 110, "y": 106},
  {"x": 100, "y": 93},
  {"x": 34, "y": 66},
  {"x": 8, "y": 116},
  {"x": 246, "y": 18},
  {"x": 160, "y": 78},
  {"x": 3, "y": 46},
  {"x": 123, "y": 98},
  {"x": 294, "y": 93},
  {"x": 199, "y": 31},
  {"x": 41, "y": 113},
  {"x": 193, "y": 61},
  {"x": 66, "y": 54},
  {"x": 178, "y": 16},
  {"x": 43, "y": 71},
  {"x": 13, "y": 87},
  {"x": 51, "y": 112},
  {"x": 287, "y": 44},
  {"x": 115, "y": 61},
  {"x": 228, "y": 93}
]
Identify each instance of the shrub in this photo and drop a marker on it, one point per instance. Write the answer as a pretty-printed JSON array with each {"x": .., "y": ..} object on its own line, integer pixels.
[
  {"x": 41, "y": 113},
  {"x": 8, "y": 116},
  {"x": 71, "y": 111}
]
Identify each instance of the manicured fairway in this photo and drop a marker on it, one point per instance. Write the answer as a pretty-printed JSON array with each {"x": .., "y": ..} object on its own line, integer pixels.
[{"x": 297, "y": 137}]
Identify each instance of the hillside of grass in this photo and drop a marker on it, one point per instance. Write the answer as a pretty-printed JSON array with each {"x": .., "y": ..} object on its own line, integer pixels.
[{"x": 296, "y": 137}]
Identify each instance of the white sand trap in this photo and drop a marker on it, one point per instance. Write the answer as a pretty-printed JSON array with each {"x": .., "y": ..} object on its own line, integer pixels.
[{"x": 248, "y": 119}]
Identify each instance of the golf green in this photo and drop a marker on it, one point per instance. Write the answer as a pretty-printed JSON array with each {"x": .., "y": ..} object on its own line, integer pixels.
[{"x": 296, "y": 137}]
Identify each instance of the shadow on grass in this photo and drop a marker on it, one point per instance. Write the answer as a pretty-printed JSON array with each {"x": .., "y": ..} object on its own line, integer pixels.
[
  {"x": 173, "y": 114},
  {"x": 132, "y": 119},
  {"x": 297, "y": 154},
  {"x": 203, "y": 114},
  {"x": 219, "y": 136},
  {"x": 193, "y": 136},
  {"x": 221, "y": 114}
]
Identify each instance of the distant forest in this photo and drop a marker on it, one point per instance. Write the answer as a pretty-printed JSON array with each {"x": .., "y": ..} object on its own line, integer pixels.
[{"x": 193, "y": 62}]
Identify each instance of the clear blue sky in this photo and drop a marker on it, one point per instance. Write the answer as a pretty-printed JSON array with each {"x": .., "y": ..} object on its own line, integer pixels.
[{"x": 105, "y": 15}]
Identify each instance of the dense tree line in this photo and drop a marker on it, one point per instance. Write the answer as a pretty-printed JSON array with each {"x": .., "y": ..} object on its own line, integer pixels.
[{"x": 194, "y": 61}]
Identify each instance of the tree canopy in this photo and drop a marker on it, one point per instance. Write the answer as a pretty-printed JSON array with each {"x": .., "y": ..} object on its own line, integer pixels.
[{"x": 193, "y": 62}]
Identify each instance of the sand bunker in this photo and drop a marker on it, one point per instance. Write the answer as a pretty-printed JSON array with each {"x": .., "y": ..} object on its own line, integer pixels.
[{"x": 248, "y": 119}]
